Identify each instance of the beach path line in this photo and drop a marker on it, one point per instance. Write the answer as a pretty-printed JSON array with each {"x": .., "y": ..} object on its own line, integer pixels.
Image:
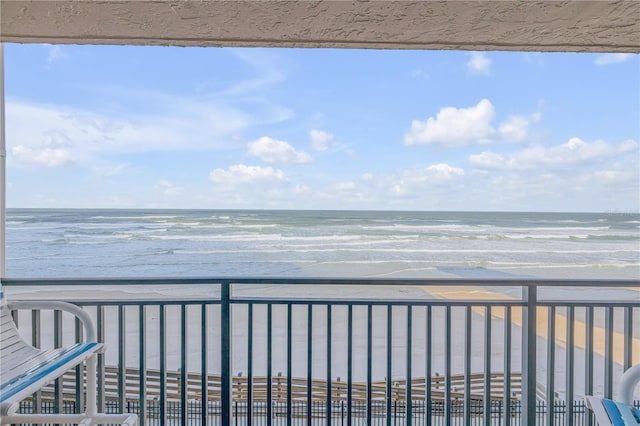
[{"x": 479, "y": 293}]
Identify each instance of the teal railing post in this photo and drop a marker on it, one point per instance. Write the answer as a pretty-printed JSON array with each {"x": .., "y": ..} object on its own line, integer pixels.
[
  {"x": 530, "y": 300},
  {"x": 225, "y": 356},
  {"x": 3, "y": 173}
]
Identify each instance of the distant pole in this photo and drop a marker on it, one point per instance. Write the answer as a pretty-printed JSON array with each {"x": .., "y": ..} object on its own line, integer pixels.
[{"x": 3, "y": 174}]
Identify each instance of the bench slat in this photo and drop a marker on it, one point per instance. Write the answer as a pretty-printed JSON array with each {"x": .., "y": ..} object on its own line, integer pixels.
[
  {"x": 11, "y": 362},
  {"x": 47, "y": 371},
  {"x": 10, "y": 343},
  {"x": 23, "y": 360}
]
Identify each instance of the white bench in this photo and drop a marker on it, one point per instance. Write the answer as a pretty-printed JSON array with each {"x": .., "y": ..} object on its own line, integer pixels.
[
  {"x": 622, "y": 412},
  {"x": 25, "y": 369}
]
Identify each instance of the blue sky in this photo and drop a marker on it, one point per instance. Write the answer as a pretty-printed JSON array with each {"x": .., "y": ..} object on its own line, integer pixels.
[{"x": 169, "y": 127}]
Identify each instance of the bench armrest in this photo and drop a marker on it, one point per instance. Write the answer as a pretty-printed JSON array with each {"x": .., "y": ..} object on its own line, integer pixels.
[
  {"x": 630, "y": 379},
  {"x": 84, "y": 317}
]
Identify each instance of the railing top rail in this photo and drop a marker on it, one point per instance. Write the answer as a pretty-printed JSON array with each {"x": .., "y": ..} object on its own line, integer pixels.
[
  {"x": 138, "y": 301},
  {"x": 492, "y": 282}
]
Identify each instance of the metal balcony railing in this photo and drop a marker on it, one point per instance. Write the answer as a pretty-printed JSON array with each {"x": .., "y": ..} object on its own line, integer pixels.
[{"x": 516, "y": 352}]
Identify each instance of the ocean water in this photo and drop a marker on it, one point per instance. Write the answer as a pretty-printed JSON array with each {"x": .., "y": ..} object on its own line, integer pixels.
[{"x": 183, "y": 243}]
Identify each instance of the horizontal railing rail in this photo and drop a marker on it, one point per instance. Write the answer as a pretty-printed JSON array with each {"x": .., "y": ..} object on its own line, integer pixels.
[
  {"x": 451, "y": 350},
  {"x": 378, "y": 417},
  {"x": 494, "y": 282}
]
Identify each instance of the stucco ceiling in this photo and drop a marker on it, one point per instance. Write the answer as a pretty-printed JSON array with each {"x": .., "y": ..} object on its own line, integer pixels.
[{"x": 550, "y": 25}]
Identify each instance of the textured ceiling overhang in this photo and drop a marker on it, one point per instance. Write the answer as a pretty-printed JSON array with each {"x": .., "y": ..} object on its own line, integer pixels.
[{"x": 568, "y": 26}]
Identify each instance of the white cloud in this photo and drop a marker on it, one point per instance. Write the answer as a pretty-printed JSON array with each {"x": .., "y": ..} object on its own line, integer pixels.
[
  {"x": 56, "y": 53},
  {"x": 345, "y": 186},
  {"x": 300, "y": 189},
  {"x": 628, "y": 146},
  {"x": 168, "y": 188},
  {"x": 489, "y": 160},
  {"x": 535, "y": 58},
  {"x": 536, "y": 116},
  {"x": 442, "y": 172},
  {"x": 574, "y": 152},
  {"x": 265, "y": 68},
  {"x": 612, "y": 176},
  {"x": 244, "y": 186},
  {"x": 420, "y": 73},
  {"x": 613, "y": 58},
  {"x": 479, "y": 63},
  {"x": 432, "y": 175},
  {"x": 455, "y": 126},
  {"x": 136, "y": 120},
  {"x": 240, "y": 174},
  {"x": 415, "y": 181},
  {"x": 351, "y": 153},
  {"x": 111, "y": 169},
  {"x": 516, "y": 129},
  {"x": 275, "y": 151},
  {"x": 320, "y": 140},
  {"x": 184, "y": 125},
  {"x": 465, "y": 126},
  {"x": 573, "y": 176},
  {"x": 47, "y": 157}
]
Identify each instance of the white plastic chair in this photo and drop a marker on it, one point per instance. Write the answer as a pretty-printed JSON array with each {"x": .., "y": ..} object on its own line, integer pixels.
[
  {"x": 25, "y": 369},
  {"x": 622, "y": 412}
]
